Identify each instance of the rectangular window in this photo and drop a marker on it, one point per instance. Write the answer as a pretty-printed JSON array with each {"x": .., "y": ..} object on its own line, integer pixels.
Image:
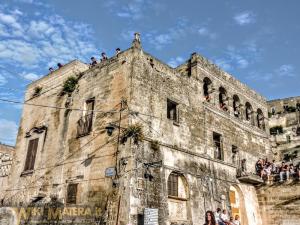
[
  {"x": 218, "y": 152},
  {"x": 173, "y": 185},
  {"x": 234, "y": 152},
  {"x": 72, "y": 194},
  {"x": 85, "y": 123},
  {"x": 172, "y": 112},
  {"x": 31, "y": 154}
]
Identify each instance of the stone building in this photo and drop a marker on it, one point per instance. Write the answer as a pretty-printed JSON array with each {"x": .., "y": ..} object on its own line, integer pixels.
[
  {"x": 131, "y": 133},
  {"x": 284, "y": 122},
  {"x": 6, "y": 158}
]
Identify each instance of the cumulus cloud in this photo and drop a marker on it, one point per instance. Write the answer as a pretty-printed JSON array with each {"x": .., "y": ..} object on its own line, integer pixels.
[
  {"x": 8, "y": 131},
  {"x": 244, "y": 18},
  {"x": 174, "y": 62},
  {"x": 48, "y": 40}
]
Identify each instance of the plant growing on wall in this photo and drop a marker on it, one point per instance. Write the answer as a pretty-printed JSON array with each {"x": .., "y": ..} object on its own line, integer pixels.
[
  {"x": 69, "y": 85},
  {"x": 37, "y": 91},
  {"x": 135, "y": 132},
  {"x": 154, "y": 145}
]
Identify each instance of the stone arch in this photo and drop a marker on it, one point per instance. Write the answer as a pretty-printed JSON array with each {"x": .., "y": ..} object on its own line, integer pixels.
[
  {"x": 207, "y": 88},
  {"x": 237, "y": 203},
  {"x": 249, "y": 112},
  {"x": 178, "y": 199},
  {"x": 223, "y": 99},
  {"x": 260, "y": 119},
  {"x": 236, "y": 104}
]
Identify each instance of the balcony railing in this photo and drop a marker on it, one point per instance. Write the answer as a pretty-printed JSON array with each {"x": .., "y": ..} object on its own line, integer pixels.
[{"x": 84, "y": 126}]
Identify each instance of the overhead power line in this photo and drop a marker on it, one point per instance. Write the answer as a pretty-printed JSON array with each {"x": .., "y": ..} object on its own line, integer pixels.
[{"x": 56, "y": 107}]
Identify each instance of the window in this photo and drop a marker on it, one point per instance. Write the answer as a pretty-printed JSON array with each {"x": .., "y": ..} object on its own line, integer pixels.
[
  {"x": 31, "y": 154},
  {"x": 172, "y": 113},
  {"x": 260, "y": 119},
  {"x": 173, "y": 185},
  {"x": 223, "y": 99},
  {"x": 249, "y": 112},
  {"x": 85, "y": 123},
  {"x": 236, "y": 106},
  {"x": 72, "y": 194},
  {"x": 234, "y": 152},
  {"x": 217, "y": 139},
  {"x": 207, "y": 89}
]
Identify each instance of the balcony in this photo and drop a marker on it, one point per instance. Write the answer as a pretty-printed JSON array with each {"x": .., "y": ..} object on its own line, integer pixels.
[{"x": 84, "y": 126}]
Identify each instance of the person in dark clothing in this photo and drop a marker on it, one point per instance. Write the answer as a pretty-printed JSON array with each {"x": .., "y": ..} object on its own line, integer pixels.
[
  {"x": 118, "y": 50},
  {"x": 94, "y": 61},
  {"x": 210, "y": 218},
  {"x": 104, "y": 57},
  {"x": 59, "y": 65}
]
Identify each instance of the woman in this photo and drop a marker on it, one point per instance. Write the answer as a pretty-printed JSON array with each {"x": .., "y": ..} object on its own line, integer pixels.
[{"x": 210, "y": 218}]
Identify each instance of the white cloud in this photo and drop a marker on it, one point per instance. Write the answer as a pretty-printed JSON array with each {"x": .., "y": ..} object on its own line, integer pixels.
[
  {"x": 244, "y": 18},
  {"x": 48, "y": 40},
  {"x": 174, "y": 62},
  {"x": 286, "y": 70},
  {"x": 8, "y": 131},
  {"x": 205, "y": 32},
  {"x": 2, "y": 80},
  {"x": 30, "y": 76}
]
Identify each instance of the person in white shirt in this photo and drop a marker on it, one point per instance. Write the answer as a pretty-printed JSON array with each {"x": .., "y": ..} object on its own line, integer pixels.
[
  {"x": 217, "y": 216},
  {"x": 236, "y": 220},
  {"x": 224, "y": 217}
]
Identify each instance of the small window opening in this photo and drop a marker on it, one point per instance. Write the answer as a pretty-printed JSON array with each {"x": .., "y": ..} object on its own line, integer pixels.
[
  {"x": 85, "y": 123},
  {"x": 72, "y": 194},
  {"x": 217, "y": 138},
  {"x": 172, "y": 113}
]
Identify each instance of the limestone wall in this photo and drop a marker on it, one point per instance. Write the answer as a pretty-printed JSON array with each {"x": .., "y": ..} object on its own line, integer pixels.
[{"x": 280, "y": 204}]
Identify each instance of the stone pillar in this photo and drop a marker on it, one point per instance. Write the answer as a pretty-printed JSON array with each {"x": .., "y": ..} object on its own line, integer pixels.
[
  {"x": 194, "y": 62},
  {"x": 230, "y": 106}
]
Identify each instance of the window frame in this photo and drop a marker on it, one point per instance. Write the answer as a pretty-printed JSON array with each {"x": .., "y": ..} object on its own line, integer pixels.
[
  {"x": 72, "y": 199},
  {"x": 175, "y": 105}
]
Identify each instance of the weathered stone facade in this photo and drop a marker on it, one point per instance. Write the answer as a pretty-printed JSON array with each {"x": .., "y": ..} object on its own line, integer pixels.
[
  {"x": 284, "y": 122},
  {"x": 6, "y": 159},
  {"x": 198, "y": 123}
]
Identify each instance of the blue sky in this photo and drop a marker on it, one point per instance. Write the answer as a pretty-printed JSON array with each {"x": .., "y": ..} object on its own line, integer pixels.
[{"x": 256, "y": 41}]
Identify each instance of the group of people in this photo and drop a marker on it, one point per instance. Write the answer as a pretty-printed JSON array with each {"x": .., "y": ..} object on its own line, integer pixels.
[
  {"x": 93, "y": 60},
  {"x": 103, "y": 57},
  {"x": 220, "y": 217},
  {"x": 285, "y": 171}
]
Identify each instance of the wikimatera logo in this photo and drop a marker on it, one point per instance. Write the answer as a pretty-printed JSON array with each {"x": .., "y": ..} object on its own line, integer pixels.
[{"x": 51, "y": 215}]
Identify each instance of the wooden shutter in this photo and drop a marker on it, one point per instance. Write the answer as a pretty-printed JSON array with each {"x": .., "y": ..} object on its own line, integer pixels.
[
  {"x": 173, "y": 185},
  {"x": 31, "y": 154},
  {"x": 72, "y": 193}
]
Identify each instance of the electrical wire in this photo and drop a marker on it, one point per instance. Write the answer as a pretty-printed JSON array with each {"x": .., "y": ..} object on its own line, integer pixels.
[{"x": 56, "y": 107}]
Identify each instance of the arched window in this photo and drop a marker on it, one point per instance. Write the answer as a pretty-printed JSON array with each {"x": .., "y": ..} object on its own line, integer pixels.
[
  {"x": 236, "y": 106},
  {"x": 260, "y": 119},
  {"x": 248, "y": 111},
  {"x": 207, "y": 88},
  {"x": 223, "y": 99},
  {"x": 177, "y": 186}
]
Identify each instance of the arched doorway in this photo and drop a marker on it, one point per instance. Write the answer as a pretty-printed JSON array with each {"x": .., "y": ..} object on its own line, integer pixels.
[{"x": 237, "y": 204}]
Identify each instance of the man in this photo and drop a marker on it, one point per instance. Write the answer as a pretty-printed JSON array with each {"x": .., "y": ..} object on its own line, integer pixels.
[
  {"x": 217, "y": 216},
  {"x": 104, "y": 57},
  {"x": 94, "y": 61},
  {"x": 284, "y": 170},
  {"x": 236, "y": 220},
  {"x": 51, "y": 70},
  {"x": 59, "y": 65},
  {"x": 224, "y": 218},
  {"x": 118, "y": 50}
]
